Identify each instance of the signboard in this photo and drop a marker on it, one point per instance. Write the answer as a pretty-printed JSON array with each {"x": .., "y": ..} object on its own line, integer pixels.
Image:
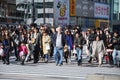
[
  {"x": 101, "y": 10},
  {"x": 61, "y": 12},
  {"x": 85, "y": 8},
  {"x": 72, "y": 7}
]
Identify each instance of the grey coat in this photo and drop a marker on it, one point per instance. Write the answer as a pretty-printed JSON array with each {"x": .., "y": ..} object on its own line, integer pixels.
[{"x": 98, "y": 48}]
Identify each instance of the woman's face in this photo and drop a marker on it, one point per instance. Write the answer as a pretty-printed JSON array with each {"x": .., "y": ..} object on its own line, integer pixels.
[
  {"x": 107, "y": 33},
  {"x": 77, "y": 35},
  {"x": 6, "y": 32},
  {"x": 97, "y": 38}
]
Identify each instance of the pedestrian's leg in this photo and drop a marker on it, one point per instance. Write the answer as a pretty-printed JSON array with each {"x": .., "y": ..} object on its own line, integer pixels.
[
  {"x": 56, "y": 56},
  {"x": 23, "y": 59},
  {"x": 79, "y": 57},
  {"x": 114, "y": 56},
  {"x": 36, "y": 56},
  {"x": 3, "y": 59},
  {"x": 65, "y": 56},
  {"x": 61, "y": 52},
  {"x": 16, "y": 53},
  {"x": 100, "y": 59},
  {"x": 69, "y": 55},
  {"x": 7, "y": 59},
  {"x": 46, "y": 58}
]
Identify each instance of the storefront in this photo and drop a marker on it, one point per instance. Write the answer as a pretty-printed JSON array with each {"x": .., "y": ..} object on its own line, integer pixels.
[{"x": 89, "y": 14}]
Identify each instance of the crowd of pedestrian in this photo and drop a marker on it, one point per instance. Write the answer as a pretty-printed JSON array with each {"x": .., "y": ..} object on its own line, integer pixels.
[{"x": 41, "y": 43}]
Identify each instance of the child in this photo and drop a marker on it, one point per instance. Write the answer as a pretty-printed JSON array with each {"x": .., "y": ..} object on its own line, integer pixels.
[{"x": 23, "y": 52}]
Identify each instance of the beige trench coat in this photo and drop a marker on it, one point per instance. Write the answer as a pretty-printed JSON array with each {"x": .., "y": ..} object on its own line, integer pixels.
[{"x": 46, "y": 41}]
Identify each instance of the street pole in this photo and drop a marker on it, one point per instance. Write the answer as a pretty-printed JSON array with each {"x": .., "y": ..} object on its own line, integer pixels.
[
  {"x": 33, "y": 11},
  {"x": 111, "y": 14},
  {"x": 44, "y": 12}
]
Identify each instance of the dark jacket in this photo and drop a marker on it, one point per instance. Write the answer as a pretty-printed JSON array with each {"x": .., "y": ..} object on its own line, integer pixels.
[
  {"x": 63, "y": 40},
  {"x": 79, "y": 41},
  {"x": 70, "y": 40},
  {"x": 116, "y": 43},
  {"x": 91, "y": 37}
]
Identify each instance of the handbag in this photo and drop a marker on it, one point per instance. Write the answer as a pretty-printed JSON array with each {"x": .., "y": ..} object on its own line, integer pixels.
[
  {"x": 1, "y": 52},
  {"x": 47, "y": 46},
  {"x": 74, "y": 51},
  {"x": 65, "y": 48},
  {"x": 21, "y": 53}
]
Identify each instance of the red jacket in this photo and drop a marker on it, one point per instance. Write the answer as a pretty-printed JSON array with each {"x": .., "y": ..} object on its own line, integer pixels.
[{"x": 24, "y": 49}]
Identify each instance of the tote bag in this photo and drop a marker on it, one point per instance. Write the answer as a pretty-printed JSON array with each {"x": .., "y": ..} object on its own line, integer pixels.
[
  {"x": 74, "y": 51},
  {"x": 1, "y": 52},
  {"x": 47, "y": 46}
]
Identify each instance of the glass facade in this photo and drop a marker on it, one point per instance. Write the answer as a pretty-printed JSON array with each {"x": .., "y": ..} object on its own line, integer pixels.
[
  {"x": 8, "y": 13},
  {"x": 115, "y": 15},
  {"x": 43, "y": 10},
  {"x": 116, "y": 12}
]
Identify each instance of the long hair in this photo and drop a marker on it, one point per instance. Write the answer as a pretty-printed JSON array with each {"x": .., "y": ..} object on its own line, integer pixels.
[{"x": 6, "y": 35}]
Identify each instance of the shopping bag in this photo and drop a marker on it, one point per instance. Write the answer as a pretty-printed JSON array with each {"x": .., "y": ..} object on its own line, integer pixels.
[
  {"x": 74, "y": 51},
  {"x": 47, "y": 46},
  {"x": 21, "y": 53},
  {"x": 1, "y": 52}
]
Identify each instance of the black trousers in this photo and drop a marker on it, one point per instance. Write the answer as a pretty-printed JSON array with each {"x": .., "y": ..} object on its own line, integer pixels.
[
  {"x": 36, "y": 53},
  {"x": 6, "y": 56},
  {"x": 16, "y": 52}
]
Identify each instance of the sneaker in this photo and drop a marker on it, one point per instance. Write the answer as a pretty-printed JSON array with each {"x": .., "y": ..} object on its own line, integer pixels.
[{"x": 59, "y": 64}]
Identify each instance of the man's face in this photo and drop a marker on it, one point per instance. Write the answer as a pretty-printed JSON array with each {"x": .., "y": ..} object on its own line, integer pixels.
[
  {"x": 59, "y": 30},
  {"x": 115, "y": 34}
]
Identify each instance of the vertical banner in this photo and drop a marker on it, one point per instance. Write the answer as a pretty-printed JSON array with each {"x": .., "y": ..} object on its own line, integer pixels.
[
  {"x": 61, "y": 12},
  {"x": 72, "y": 7}
]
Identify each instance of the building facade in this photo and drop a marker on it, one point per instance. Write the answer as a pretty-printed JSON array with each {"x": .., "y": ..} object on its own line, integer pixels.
[
  {"x": 115, "y": 15},
  {"x": 43, "y": 10},
  {"x": 8, "y": 13},
  {"x": 90, "y": 13}
]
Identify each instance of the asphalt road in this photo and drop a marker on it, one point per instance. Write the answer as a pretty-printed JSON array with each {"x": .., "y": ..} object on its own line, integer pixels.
[{"x": 49, "y": 71}]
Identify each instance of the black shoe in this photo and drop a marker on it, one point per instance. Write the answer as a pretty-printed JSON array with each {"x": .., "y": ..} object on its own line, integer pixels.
[
  {"x": 79, "y": 62},
  {"x": 35, "y": 62},
  {"x": 16, "y": 59},
  {"x": 4, "y": 62},
  {"x": 7, "y": 63},
  {"x": 22, "y": 63},
  {"x": 66, "y": 61},
  {"x": 90, "y": 60}
]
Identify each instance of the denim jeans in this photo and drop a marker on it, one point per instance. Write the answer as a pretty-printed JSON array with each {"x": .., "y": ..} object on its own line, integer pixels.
[
  {"x": 58, "y": 54},
  {"x": 79, "y": 54},
  {"x": 46, "y": 56},
  {"x": 114, "y": 55}
]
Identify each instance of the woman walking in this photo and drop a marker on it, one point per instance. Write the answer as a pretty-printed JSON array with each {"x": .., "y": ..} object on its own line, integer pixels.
[
  {"x": 6, "y": 47},
  {"x": 98, "y": 49},
  {"x": 46, "y": 42}
]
